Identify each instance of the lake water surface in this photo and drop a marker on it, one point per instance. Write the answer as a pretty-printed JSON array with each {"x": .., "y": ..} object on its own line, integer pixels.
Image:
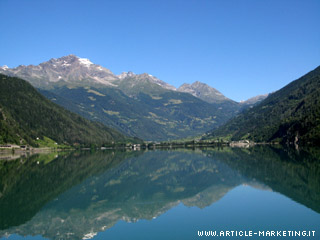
[{"x": 177, "y": 194}]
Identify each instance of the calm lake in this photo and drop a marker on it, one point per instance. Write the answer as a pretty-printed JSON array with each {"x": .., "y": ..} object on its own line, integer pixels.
[{"x": 256, "y": 193}]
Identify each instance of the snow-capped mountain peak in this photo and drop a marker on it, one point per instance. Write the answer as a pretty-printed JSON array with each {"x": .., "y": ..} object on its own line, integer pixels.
[
  {"x": 4, "y": 67},
  {"x": 69, "y": 69}
]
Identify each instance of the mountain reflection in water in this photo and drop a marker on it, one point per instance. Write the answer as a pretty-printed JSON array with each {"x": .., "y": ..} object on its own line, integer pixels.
[{"x": 72, "y": 195}]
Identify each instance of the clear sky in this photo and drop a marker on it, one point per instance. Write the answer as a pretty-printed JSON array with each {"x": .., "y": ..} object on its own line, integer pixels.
[{"x": 241, "y": 47}]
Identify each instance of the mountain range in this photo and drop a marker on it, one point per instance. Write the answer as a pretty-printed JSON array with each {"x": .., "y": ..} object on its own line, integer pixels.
[
  {"x": 143, "y": 106},
  {"x": 139, "y": 105}
]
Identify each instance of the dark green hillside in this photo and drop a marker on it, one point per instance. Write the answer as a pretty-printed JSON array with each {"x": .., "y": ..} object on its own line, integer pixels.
[
  {"x": 151, "y": 115},
  {"x": 26, "y": 115},
  {"x": 289, "y": 115}
]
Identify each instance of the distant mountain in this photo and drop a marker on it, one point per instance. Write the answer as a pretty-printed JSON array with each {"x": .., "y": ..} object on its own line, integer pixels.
[
  {"x": 212, "y": 95},
  {"x": 26, "y": 115},
  {"x": 254, "y": 100},
  {"x": 65, "y": 70},
  {"x": 204, "y": 92},
  {"x": 134, "y": 83},
  {"x": 76, "y": 71},
  {"x": 290, "y": 115},
  {"x": 139, "y": 105}
]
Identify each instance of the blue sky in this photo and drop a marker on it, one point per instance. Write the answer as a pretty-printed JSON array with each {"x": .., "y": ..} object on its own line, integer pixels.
[{"x": 241, "y": 47}]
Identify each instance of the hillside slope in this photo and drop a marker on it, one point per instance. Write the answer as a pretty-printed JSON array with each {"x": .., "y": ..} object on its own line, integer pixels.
[
  {"x": 158, "y": 116},
  {"x": 289, "y": 115},
  {"x": 26, "y": 115}
]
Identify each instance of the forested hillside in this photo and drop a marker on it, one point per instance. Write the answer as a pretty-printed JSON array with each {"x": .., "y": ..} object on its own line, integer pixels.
[
  {"x": 26, "y": 115},
  {"x": 289, "y": 115}
]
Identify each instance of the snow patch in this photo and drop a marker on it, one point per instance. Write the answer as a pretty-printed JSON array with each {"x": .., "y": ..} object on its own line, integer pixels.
[
  {"x": 65, "y": 63},
  {"x": 5, "y": 67},
  {"x": 85, "y": 61},
  {"x": 59, "y": 77},
  {"x": 89, "y": 235},
  {"x": 103, "y": 81}
]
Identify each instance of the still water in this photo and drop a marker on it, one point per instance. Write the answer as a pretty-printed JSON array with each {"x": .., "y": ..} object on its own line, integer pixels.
[{"x": 177, "y": 194}]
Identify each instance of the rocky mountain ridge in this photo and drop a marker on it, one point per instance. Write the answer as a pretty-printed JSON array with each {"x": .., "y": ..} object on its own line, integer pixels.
[
  {"x": 204, "y": 92},
  {"x": 76, "y": 71},
  {"x": 69, "y": 69},
  {"x": 254, "y": 100}
]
